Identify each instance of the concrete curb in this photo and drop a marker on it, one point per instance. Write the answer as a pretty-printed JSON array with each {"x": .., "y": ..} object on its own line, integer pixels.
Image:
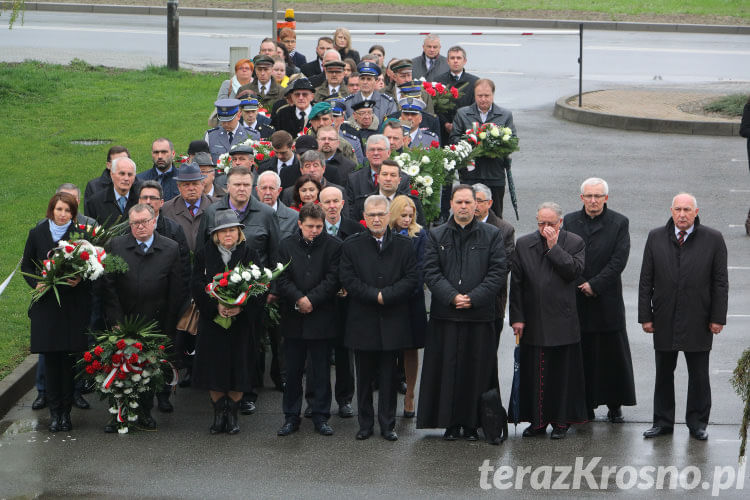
[
  {"x": 17, "y": 383},
  {"x": 575, "y": 114},
  {"x": 390, "y": 18}
]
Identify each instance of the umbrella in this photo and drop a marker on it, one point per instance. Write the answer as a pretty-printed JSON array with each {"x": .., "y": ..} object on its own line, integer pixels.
[
  {"x": 514, "y": 405},
  {"x": 512, "y": 191}
]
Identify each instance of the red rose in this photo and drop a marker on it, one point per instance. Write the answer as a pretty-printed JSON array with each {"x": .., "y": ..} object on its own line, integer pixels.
[
  {"x": 427, "y": 85},
  {"x": 223, "y": 282},
  {"x": 161, "y": 347},
  {"x": 431, "y": 91},
  {"x": 69, "y": 249},
  {"x": 453, "y": 147},
  {"x": 87, "y": 357},
  {"x": 138, "y": 346},
  {"x": 363, "y": 223},
  {"x": 272, "y": 153},
  {"x": 106, "y": 368},
  {"x": 260, "y": 156},
  {"x": 434, "y": 144},
  {"x": 93, "y": 233},
  {"x": 122, "y": 376},
  {"x": 84, "y": 255},
  {"x": 97, "y": 365},
  {"x": 81, "y": 226},
  {"x": 117, "y": 359},
  {"x": 98, "y": 350},
  {"x": 226, "y": 274},
  {"x": 90, "y": 369},
  {"x": 121, "y": 344},
  {"x": 414, "y": 192},
  {"x": 440, "y": 88},
  {"x": 454, "y": 92},
  {"x": 133, "y": 358}
]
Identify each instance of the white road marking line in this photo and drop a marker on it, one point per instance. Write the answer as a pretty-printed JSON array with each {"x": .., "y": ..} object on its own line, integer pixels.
[
  {"x": 739, "y": 190},
  {"x": 667, "y": 50},
  {"x": 736, "y": 225},
  {"x": 739, "y": 268},
  {"x": 491, "y": 44},
  {"x": 163, "y": 32},
  {"x": 736, "y": 160},
  {"x": 726, "y": 440},
  {"x": 738, "y": 315},
  {"x": 502, "y": 72},
  {"x": 721, "y": 371}
]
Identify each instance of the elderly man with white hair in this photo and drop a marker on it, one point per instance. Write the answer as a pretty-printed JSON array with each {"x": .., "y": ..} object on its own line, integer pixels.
[
  {"x": 545, "y": 270},
  {"x": 110, "y": 205}
]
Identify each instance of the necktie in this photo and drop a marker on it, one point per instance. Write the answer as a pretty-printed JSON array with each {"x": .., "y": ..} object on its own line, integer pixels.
[
  {"x": 121, "y": 203},
  {"x": 302, "y": 115},
  {"x": 192, "y": 209},
  {"x": 143, "y": 246},
  {"x": 231, "y": 136},
  {"x": 681, "y": 237},
  {"x": 429, "y": 64},
  {"x": 334, "y": 90},
  {"x": 456, "y": 78},
  {"x": 333, "y": 230},
  {"x": 375, "y": 179},
  {"x": 262, "y": 91},
  {"x": 380, "y": 245}
]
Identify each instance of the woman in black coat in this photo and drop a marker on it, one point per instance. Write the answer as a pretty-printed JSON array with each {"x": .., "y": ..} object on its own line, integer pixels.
[
  {"x": 403, "y": 221},
  {"x": 342, "y": 41},
  {"x": 221, "y": 364},
  {"x": 57, "y": 330}
]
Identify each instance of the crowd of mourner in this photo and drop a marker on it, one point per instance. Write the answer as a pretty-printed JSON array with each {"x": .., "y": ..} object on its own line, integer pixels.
[{"x": 348, "y": 314}]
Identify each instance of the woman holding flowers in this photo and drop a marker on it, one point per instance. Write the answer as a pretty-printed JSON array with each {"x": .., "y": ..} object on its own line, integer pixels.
[
  {"x": 404, "y": 221},
  {"x": 57, "y": 328},
  {"x": 221, "y": 364}
]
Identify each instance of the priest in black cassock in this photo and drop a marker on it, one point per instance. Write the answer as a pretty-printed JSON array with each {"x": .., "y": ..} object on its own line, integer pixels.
[
  {"x": 607, "y": 364},
  {"x": 544, "y": 271},
  {"x": 465, "y": 269}
]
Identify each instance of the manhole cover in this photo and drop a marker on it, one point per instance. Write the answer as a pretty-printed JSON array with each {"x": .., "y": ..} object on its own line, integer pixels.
[{"x": 91, "y": 142}]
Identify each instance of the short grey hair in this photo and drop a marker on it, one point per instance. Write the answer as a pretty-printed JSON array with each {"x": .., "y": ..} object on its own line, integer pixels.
[
  {"x": 313, "y": 155},
  {"x": 378, "y": 138},
  {"x": 481, "y": 188},
  {"x": 432, "y": 37},
  {"x": 695, "y": 201},
  {"x": 551, "y": 205},
  {"x": 118, "y": 161},
  {"x": 270, "y": 173},
  {"x": 595, "y": 181},
  {"x": 69, "y": 186},
  {"x": 142, "y": 207},
  {"x": 332, "y": 51},
  {"x": 377, "y": 199}
]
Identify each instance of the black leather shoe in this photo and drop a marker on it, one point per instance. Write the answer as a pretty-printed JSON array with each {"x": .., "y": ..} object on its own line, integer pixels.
[
  {"x": 110, "y": 427},
  {"x": 308, "y": 412},
  {"x": 658, "y": 431},
  {"x": 287, "y": 428},
  {"x": 80, "y": 402},
  {"x": 147, "y": 422},
  {"x": 65, "y": 424},
  {"x": 452, "y": 433},
  {"x": 54, "y": 422},
  {"x": 530, "y": 431},
  {"x": 471, "y": 434},
  {"x": 162, "y": 400},
  {"x": 614, "y": 415},
  {"x": 364, "y": 434},
  {"x": 324, "y": 429},
  {"x": 559, "y": 431},
  {"x": 186, "y": 380},
  {"x": 402, "y": 388},
  {"x": 247, "y": 407},
  {"x": 389, "y": 435},
  {"x": 699, "y": 434},
  {"x": 40, "y": 402},
  {"x": 346, "y": 411}
]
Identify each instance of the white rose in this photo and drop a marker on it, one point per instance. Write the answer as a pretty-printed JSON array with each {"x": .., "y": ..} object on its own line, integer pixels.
[
  {"x": 146, "y": 373},
  {"x": 145, "y": 382},
  {"x": 482, "y": 135},
  {"x": 506, "y": 138},
  {"x": 235, "y": 278},
  {"x": 113, "y": 410},
  {"x": 122, "y": 430},
  {"x": 247, "y": 276},
  {"x": 132, "y": 418},
  {"x": 269, "y": 273},
  {"x": 428, "y": 191},
  {"x": 413, "y": 170},
  {"x": 279, "y": 266},
  {"x": 419, "y": 179},
  {"x": 256, "y": 273},
  {"x": 400, "y": 163},
  {"x": 127, "y": 391},
  {"x": 427, "y": 181},
  {"x": 119, "y": 384},
  {"x": 425, "y": 160},
  {"x": 507, "y": 131},
  {"x": 133, "y": 404},
  {"x": 136, "y": 377}
]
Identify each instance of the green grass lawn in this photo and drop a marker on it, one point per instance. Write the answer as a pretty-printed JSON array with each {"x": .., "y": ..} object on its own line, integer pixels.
[{"x": 45, "y": 107}]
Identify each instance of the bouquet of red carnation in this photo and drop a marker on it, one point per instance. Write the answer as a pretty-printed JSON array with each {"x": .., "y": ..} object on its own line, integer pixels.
[
  {"x": 443, "y": 99},
  {"x": 491, "y": 141},
  {"x": 99, "y": 235},
  {"x": 181, "y": 159},
  {"x": 126, "y": 362},
  {"x": 233, "y": 288},
  {"x": 70, "y": 260},
  {"x": 263, "y": 150}
]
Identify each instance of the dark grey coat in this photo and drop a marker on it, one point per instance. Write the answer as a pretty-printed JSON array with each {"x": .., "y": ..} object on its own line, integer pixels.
[
  {"x": 683, "y": 289},
  {"x": 543, "y": 289}
]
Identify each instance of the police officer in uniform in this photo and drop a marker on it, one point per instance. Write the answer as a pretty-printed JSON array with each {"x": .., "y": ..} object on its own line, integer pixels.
[
  {"x": 229, "y": 132},
  {"x": 338, "y": 114},
  {"x": 258, "y": 125},
  {"x": 414, "y": 89},
  {"x": 383, "y": 104},
  {"x": 363, "y": 122},
  {"x": 411, "y": 113}
]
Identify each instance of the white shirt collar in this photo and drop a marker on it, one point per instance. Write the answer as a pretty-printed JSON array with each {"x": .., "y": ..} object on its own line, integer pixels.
[{"x": 688, "y": 231}]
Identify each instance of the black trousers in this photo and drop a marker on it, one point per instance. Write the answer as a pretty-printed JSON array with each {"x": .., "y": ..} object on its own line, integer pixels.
[
  {"x": 344, "y": 386},
  {"x": 498, "y": 193},
  {"x": 380, "y": 365},
  {"x": 699, "y": 389},
  {"x": 58, "y": 367},
  {"x": 318, "y": 378}
]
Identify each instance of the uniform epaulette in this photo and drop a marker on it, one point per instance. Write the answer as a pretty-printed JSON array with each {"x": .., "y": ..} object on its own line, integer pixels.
[
  {"x": 212, "y": 129},
  {"x": 350, "y": 96},
  {"x": 387, "y": 96}
]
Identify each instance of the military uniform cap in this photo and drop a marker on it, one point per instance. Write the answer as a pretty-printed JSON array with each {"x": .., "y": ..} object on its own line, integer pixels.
[
  {"x": 401, "y": 64},
  {"x": 227, "y": 109},
  {"x": 369, "y": 68},
  {"x": 249, "y": 102},
  {"x": 337, "y": 104},
  {"x": 319, "y": 109},
  {"x": 241, "y": 148},
  {"x": 335, "y": 65},
  {"x": 262, "y": 60},
  {"x": 411, "y": 105},
  {"x": 413, "y": 88},
  {"x": 363, "y": 105}
]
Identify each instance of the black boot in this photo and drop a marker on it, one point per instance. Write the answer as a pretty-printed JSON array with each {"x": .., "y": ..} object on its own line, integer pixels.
[
  {"x": 220, "y": 416},
  {"x": 65, "y": 424},
  {"x": 54, "y": 420},
  {"x": 232, "y": 416}
]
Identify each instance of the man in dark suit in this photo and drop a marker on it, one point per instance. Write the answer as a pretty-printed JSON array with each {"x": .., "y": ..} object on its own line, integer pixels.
[
  {"x": 683, "y": 295},
  {"x": 105, "y": 180},
  {"x": 315, "y": 67},
  {"x": 110, "y": 205},
  {"x": 285, "y": 162},
  {"x": 430, "y": 63},
  {"x": 329, "y": 143},
  {"x": 379, "y": 273},
  {"x": 464, "y": 83},
  {"x": 601, "y": 310},
  {"x": 152, "y": 288},
  {"x": 188, "y": 208},
  {"x": 488, "y": 171},
  {"x": 313, "y": 163},
  {"x": 294, "y": 118},
  {"x": 163, "y": 171},
  {"x": 389, "y": 180},
  {"x": 544, "y": 272}
]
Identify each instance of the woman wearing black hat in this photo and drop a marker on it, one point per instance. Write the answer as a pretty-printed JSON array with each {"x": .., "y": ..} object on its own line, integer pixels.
[{"x": 221, "y": 364}]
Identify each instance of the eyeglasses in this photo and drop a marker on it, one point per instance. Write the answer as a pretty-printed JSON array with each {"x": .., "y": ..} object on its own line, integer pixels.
[
  {"x": 162, "y": 151},
  {"x": 376, "y": 215},
  {"x": 149, "y": 198},
  {"x": 550, "y": 224},
  {"x": 593, "y": 196},
  {"x": 140, "y": 223},
  {"x": 377, "y": 150},
  {"x": 483, "y": 201}
]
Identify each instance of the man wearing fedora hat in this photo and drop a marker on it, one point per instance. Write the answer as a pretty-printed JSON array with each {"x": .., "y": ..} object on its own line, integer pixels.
[
  {"x": 229, "y": 132},
  {"x": 294, "y": 118},
  {"x": 188, "y": 207},
  {"x": 384, "y": 105},
  {"x": 264, "y": 86}
]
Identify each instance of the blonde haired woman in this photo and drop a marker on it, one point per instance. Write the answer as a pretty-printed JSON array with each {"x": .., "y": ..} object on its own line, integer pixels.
[
  {"x": 342, "y": 41},
  {"x": 403, "y": 220}
]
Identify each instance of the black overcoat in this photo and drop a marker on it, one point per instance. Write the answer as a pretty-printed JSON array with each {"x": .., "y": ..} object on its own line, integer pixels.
[
  {"x": 607, "y": 240},
  {"x": 364, "y": 272},
  {"x": 683, "y": 288},
  {"x": 103, "y": 207},
  {"x": 467, "y": 261},
  {"x": 55, "y": 328},
  {"x": 312, "y": 272},
  {"x": 153, "y": 286},
  {"x": 543, "y": 289},
  {"x": 360, "y": 183}
]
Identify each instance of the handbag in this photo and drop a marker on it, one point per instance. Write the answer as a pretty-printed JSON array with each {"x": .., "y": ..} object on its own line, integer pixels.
[{"x": 188, "y": 322}]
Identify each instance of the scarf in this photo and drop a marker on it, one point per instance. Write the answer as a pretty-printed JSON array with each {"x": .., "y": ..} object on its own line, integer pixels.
[
  {"x": 235, "y": 85},
  {"x": 58, "y": 231},
  {"x": 226, "y": 254}
]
